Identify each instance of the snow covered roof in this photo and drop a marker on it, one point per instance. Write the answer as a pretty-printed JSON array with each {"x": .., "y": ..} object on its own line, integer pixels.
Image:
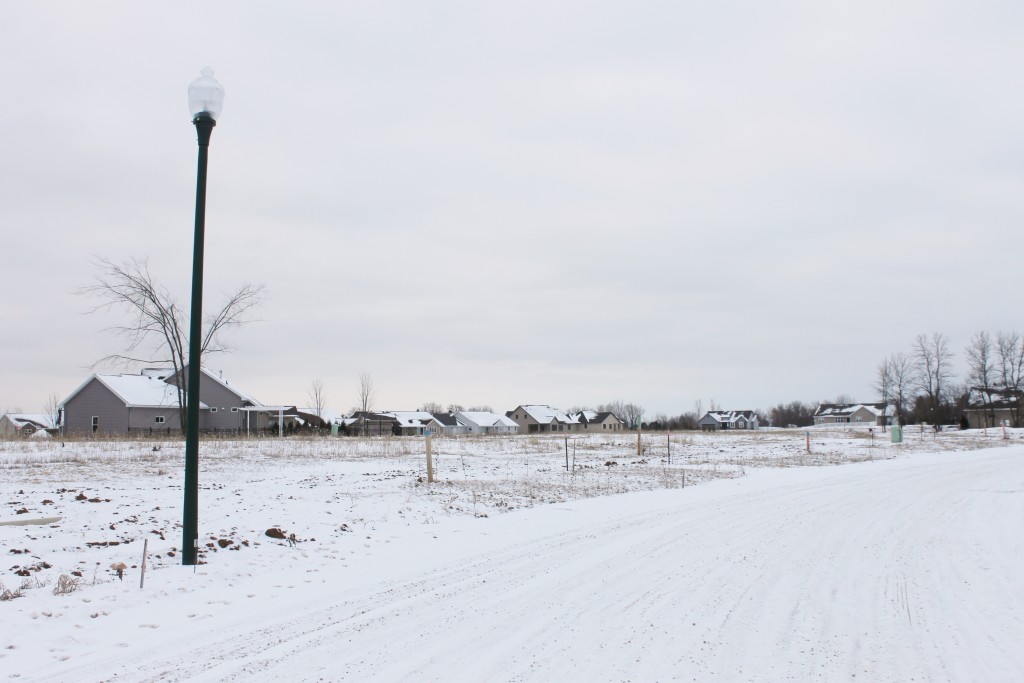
[
  {"x": 326, "y": 414},
  {"x": 484, "y": 419},
  {"x": 978, "y": 398},
  {"x": 35, "y": 419},
  {"x": 546, "y": 414},
  {"x": 845, "y": 409},
  {"x": 154, "y": 388},
  {"x": 414, "y": 418},
  {"x": 731, "y": 416},
  {"x": 593, "y": 416},
  {"x": 138, "y": 391}
]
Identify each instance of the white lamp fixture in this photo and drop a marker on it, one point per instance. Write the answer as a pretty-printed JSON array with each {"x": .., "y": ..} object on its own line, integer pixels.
[{"x": 205, "y": 94}]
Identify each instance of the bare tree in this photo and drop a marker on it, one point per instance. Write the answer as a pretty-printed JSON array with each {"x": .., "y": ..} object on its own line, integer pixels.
[
  {"x": 616, "y": 408},
  {"x": 902, "y": 379},
  {"x": 454, "y": 408},
  {"x": 698, "y": 408},
  {"x": 157, "y": 331},
  {"x": 795, "y": 413},
  {"x": 883, "y": 381},
  {"x": 52, "y": 409},
  {"x": 317, "y": 398},
  {"x": 633, "y": 414},
  {"x": 1010, "y": 350},
  {"x": 365, "y": 397},
  {"x": 432, "y": 407},
  {"x": 982, "y": 370},
  {"x": 933, "y": 361}
]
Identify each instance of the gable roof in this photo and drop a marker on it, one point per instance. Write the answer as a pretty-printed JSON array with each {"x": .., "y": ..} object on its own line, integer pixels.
[
  {"x": 135, "y": 391},
  {"x": 731, "y": 416},
  {"x": 585, "y": 416},
  {"x": 37, "y": 420},
  {"x": 847, "y": 409},
  {"x": 998, "y": 398},
  {"x": 447, "y": 419},
  {"x": 219, "y": 379},
  {"x": 415, "y": 418},
  {"x": 545, "y": 414},
  {"x": 153, "y": 388},
  {"x": 485, "y": 419}
]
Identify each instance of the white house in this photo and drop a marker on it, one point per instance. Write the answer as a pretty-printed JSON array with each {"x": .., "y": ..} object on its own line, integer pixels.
[
  {"x": 487, "y": 423},
  {"x": 855, "y": 413}
]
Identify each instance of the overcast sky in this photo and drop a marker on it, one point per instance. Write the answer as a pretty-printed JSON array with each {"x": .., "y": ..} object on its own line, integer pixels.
[{"x": 534, "y": 202}]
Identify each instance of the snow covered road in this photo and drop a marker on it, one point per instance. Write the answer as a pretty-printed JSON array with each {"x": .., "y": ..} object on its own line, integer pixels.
[{"x": 902, "y": 570}]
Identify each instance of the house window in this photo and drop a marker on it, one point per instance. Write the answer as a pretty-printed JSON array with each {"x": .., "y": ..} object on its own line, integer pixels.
[
  {"x": 95, "y": 423},
  {"x": 159, "y": 419},
  {"x": 234, "y": 410},
  {"x": 213, "y": 410}
]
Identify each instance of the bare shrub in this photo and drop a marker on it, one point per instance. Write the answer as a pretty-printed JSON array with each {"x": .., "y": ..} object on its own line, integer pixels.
[
  {"x": 8, "y": 594},
  {"x": 67, "y": 584}
]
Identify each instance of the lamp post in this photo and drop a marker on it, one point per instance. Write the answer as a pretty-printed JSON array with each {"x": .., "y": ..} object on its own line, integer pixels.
[{"x": 205, "y": 101}]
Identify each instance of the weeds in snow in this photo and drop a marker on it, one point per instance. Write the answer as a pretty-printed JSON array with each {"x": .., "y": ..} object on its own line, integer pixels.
[{"x": 67, "y": 584}]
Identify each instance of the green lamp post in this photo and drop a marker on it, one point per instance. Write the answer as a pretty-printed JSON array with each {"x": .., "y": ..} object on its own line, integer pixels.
[{"x": 205, "y": 101}]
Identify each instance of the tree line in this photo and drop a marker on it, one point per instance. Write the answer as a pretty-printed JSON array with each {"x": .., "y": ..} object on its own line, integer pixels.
[
  {"x": 920, "y": 383},
  {"x": 922, "y": 386}
]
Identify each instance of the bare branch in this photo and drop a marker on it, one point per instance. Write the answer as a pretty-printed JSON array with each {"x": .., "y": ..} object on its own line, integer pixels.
[{"x": 157, "y": 327}]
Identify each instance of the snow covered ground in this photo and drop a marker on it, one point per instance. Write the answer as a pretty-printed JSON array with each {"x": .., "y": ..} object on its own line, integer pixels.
[{"x": 744, "y": 559}]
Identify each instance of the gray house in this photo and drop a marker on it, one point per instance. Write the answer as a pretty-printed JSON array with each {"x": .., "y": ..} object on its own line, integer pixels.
[
  {"x": 147, "y": 403},
  {"x": 993, "y": 408},
  {"x": 728, "y": 419}
]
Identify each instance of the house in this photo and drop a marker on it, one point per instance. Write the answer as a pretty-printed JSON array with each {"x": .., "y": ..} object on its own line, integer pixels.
[
  {"x": 307, "y": 418},
  {"x": 879, "y": 414},
  {"x": 368, "y": 423},
  {"x": 993, "y": 408},
  {"x": 25, "y": 424},
  {"x": 591, "y": 421},
  {"x": 714, "y": 420},
  {"x": 147, "y": 403},
  {"x": 541, "y": 419},
  {"x": 478, "y": 422},
  {"x": 451, "y": 424},
  {"x": 417, "y": 423}
]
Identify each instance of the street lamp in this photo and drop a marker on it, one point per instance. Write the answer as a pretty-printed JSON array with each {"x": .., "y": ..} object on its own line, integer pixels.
[{"x": 205, "y": 101}]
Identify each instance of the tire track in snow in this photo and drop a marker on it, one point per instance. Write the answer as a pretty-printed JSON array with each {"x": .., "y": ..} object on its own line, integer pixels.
[{"x": 859, "y": 572}]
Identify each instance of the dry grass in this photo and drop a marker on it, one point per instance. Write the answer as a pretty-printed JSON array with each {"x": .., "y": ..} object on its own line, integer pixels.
[
  {"x": 8, "y": 594},
  {"x": 67, "y": 584}
]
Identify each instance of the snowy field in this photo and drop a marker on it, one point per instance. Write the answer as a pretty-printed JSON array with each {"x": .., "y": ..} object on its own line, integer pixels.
[{"x": 745, "y": 558}]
